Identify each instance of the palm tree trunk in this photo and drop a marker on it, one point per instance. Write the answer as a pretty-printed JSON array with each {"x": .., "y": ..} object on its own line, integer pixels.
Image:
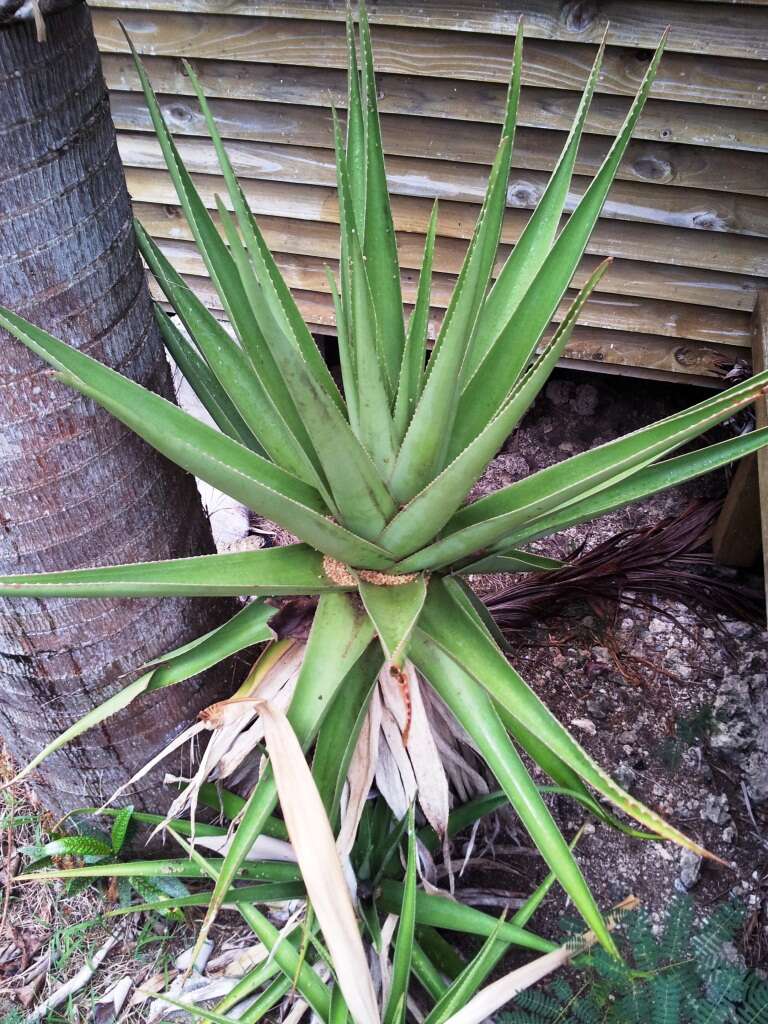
[{"x": 76, "y": 487}]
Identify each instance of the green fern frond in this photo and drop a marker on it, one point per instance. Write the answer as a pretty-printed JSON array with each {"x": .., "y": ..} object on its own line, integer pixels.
[
  {"x": 691, "y": 974},
  {"x": 667, "y": 998},
  {"x": 677, "y": 928},
  {"x": 539, "y": 1005},
  {"x": 755, "y": 1007}
]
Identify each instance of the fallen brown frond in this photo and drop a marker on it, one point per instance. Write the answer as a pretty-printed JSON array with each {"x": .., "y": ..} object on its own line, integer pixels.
[{"x": 667, "y": 560}]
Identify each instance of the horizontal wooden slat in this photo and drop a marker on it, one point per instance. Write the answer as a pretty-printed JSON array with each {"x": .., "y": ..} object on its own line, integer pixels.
[
  {"x": 467, "y": 142},
  {"x": 597, "y": 349},
  {"x": 288, "y": 125},
  {"x": 738, "y": 254},
  {"x": 641, "y": 315},
  {"x": 281, "y": 124},
  {"x": 694, "y": 28},
  {"x": 721, "y": 81},
  {"x": 243, "y": 39},
  {"x": 600, "y": 350},
  {"x": 624, "y": 277},
  {"x": 698, "y": 209}
]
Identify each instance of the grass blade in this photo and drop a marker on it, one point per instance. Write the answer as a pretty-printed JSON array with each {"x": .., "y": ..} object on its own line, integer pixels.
[
  {"x": 261, "y": 972},
  {"x": 493, "y": 951},
  {"x": 270, "y": 997},
  {"x": 284, "y": 953},
  {"x": 443, "y": 912},
  {"x": 431, "y": 979},
  {"x": 471, "y": 978},
  {"x": 401, "y": 961},
  {"x": 267, "y": 892},
  {"x": 181, "y": 825},
  {"x": 264, "y": 871},
  {"x": 339, "y": 1012},
  {"x": 490, "y": 999}
]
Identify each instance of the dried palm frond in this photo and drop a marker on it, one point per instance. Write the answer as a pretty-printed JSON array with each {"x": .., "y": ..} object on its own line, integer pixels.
[{"x": 635, "y": 567}]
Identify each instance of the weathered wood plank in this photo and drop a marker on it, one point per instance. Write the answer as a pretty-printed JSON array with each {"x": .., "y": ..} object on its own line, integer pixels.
[
  {"x": 646, "y": 242},
  {"x": 411, "y": 134},
  {"x": 599, "y": 349},
  {"x": 246, "y": 39},
  {"x": 693, "y": 28},
  {"x": 625, "y": 277},
  {"x": 639, "y": 315},
  {"x": 698, "y": 209},
  {"x": 682, "y": 361},
  {"x": 689, "y": 78}
]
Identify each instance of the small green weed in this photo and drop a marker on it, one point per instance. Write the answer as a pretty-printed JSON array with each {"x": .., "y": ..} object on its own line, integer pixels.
[{"x": 688, "y": 732}]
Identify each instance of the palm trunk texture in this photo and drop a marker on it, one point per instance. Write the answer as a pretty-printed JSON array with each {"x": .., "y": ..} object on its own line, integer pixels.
[{"x": 76, "y": 487}]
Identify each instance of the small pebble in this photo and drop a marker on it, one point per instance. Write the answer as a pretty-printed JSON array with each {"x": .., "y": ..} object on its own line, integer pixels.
[
  {"x": 690, "y": 869},
  {"x": 585, "y": 724}
]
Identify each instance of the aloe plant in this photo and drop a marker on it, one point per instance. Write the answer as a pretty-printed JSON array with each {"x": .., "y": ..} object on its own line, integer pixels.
[{"x": 373, "y": 478}]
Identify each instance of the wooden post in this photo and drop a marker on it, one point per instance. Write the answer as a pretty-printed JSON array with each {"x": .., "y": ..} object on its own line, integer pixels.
[
  {"x": 736, "y": 539},
  {"x": 742, "y": 526}
]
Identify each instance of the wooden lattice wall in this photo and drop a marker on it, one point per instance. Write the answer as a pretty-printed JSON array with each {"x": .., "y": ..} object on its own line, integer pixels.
[{"x": 687, "y": 219}]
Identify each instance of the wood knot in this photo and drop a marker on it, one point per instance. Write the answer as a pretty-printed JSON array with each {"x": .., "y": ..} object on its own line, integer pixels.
[
  {"x": 343, "y": 576},
  {"x": 653, "y": 168},
  {"x": 578, "y": 15},
  {"x": 179, "y": 113}
]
